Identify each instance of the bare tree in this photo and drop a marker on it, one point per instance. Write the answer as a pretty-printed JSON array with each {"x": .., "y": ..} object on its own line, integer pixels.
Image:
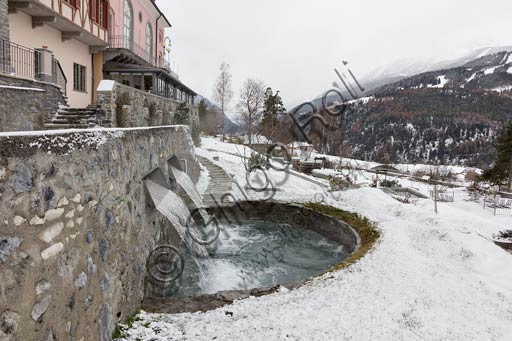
[
  {"x": 252, "y": 97},
  {"x": 222, "y": 93}
]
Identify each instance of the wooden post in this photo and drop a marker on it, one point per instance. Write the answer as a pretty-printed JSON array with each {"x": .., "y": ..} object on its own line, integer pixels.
[{"x": 435, "y": 198}]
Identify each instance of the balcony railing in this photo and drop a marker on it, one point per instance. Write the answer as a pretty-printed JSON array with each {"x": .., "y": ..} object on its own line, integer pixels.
[
  {"x": 25, "y": 62},
  {"x": 123, "y": 42},
  {"x": 58, "y": 76},
  {"x": 18, "y": 60}
]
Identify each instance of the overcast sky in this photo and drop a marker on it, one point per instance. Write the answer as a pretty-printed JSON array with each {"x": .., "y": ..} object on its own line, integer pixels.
[{"x": 293, "y": 45}]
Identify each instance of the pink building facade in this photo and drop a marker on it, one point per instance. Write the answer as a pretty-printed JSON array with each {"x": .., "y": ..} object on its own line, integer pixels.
[
  {"x": 136, "y": 53},
  {"x": 139, "y": 25}
]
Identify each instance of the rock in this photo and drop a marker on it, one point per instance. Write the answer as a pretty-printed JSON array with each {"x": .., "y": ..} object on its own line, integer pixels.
[
  {"x": 63, "y": 202},
  {"x": 9, "y": 321},
  {"x": 41, "y": 307},
  {"x": 68, "y": 262},
  {"x": 79, "y": 208},
  {"x": 104, "y": 247},
  {"x": 81, "y": 280},
  {"x": 7, "y": 247},
  {"x": 70, "y": 214},
  {"x": 91, "y": 267},
  {"x": 79, "y": 221},
  {"x": 52, "y": 251},
  {"x": 88, "y": 196},
  {"x": 109, "y": 221},
  {"x": 92, "y": 203},
  {"x": 3, "y": 173},
  {"x": 70, "y": 224},
  {"x": 88, "y": 301},
  {"x": 89, "y": 237},
  {"x": 48, "y": 336},
  {"x": 105, "y": 323},
  {"x": 37, "y": 221},
  {"x": 105, "y": 282},
  {"x": 77, "y": 198},
  {"x": 51, "y": 232},
  {"x": 21, "y": 180},
  {"x": 42, "y": 286},
  {"x": 18, "y": 220},
  {"x": 48, "y": 195},
  {"x": 53, "y": 214}
]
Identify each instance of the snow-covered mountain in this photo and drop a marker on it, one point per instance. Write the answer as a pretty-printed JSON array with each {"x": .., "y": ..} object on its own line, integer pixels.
[
  {"x": 409, "y": 67},
  {"x": 448, "y": 116}
]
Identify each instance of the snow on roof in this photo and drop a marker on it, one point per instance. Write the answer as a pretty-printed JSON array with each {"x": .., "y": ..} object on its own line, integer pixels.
[
  {"x": 106, "y": 85},
  {"x": 299, "y": 144}
]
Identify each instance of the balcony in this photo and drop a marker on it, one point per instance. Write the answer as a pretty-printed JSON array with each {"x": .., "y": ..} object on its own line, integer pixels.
[
  {"x": 130, "y": 52},
  {"x": 24, "y": 62},
  {"x": 123, "y": 49}
]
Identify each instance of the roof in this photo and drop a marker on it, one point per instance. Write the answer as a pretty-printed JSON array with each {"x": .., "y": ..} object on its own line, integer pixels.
[
  {"x": 132, "y": 68},
  {"x": 299, "y": 144},
  {"x": 161, "y": 13},
  {"x": 385, "y": 168}
]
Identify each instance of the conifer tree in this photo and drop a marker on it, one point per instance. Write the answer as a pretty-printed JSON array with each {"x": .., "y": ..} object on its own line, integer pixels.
[
  {"x": 501, "y": 172},
  {"x": 272, "y": 107}
]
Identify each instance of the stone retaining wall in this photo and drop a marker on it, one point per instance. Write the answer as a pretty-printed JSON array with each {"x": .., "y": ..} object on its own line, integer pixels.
[
  {"x": 126, "y": 106},
  {"x": 76, "y": 229},
  {"x": 25, "y": 103}
]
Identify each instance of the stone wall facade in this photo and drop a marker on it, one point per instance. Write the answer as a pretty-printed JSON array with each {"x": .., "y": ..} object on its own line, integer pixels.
[
  {"x": 4, "y": 21},
  {"x": 76, "y": 228},
  {"x": 26, "y": 104},
  {"x": 126, "y": 106}
]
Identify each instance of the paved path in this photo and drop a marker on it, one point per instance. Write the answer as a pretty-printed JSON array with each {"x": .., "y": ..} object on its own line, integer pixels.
[{"x": 220, "y": 182}]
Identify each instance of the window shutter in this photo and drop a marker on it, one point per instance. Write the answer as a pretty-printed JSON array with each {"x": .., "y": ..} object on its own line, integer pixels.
[
  {"x": 106, "y": 11},
  {"x": 92, "y": 12}
]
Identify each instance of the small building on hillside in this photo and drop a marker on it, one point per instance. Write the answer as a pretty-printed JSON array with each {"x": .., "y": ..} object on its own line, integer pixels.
[{"x": 301, "y": 149}]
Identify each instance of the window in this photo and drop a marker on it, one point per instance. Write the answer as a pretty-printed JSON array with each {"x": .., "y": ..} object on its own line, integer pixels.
[
  {"x": 79, "y": 74},
  {"x": 128, "y": 24},
  {"x": 101, "y": 14},
  {"x": 149, "y": 41}
]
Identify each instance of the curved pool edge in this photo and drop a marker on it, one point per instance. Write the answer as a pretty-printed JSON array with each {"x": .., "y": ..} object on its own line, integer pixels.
[{"x": 340, "y": 231}]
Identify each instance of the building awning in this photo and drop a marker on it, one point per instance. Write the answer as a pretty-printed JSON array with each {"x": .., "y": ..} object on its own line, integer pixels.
[{"x": 133, "y": 68}]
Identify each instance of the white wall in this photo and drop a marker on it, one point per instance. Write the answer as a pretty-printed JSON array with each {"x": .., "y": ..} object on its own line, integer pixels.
[{"x": 69, "y": 52}]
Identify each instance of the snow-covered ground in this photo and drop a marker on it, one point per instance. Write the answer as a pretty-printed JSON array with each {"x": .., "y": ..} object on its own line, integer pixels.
[{"x": 434, "y": 277}]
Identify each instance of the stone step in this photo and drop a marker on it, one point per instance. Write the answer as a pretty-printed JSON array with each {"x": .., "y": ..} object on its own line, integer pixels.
[{"x": 65, "y": 126}]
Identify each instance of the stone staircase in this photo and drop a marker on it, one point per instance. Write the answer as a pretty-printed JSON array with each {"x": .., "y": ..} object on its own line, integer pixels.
[
  {"x": 76, "y": 118},
  {"x": 220, "y": 182}
]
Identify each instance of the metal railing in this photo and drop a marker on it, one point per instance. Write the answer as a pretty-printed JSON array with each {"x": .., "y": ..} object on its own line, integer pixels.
[
  {"x": 58, "y": 76},
  {"x": 164, "y": 64},
  {"x": 123, "y": 42},
  {"x": 18, "y": 60},
  {"x": 21, "y": 61}
]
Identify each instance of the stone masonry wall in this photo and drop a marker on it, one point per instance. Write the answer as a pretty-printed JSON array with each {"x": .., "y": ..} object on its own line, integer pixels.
[
  {"x": 25, "y": 104},
  {"x": 126, "y": 106},
  {"x": 76, "y": 229},
  {"x": 4, "y": 21}
]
